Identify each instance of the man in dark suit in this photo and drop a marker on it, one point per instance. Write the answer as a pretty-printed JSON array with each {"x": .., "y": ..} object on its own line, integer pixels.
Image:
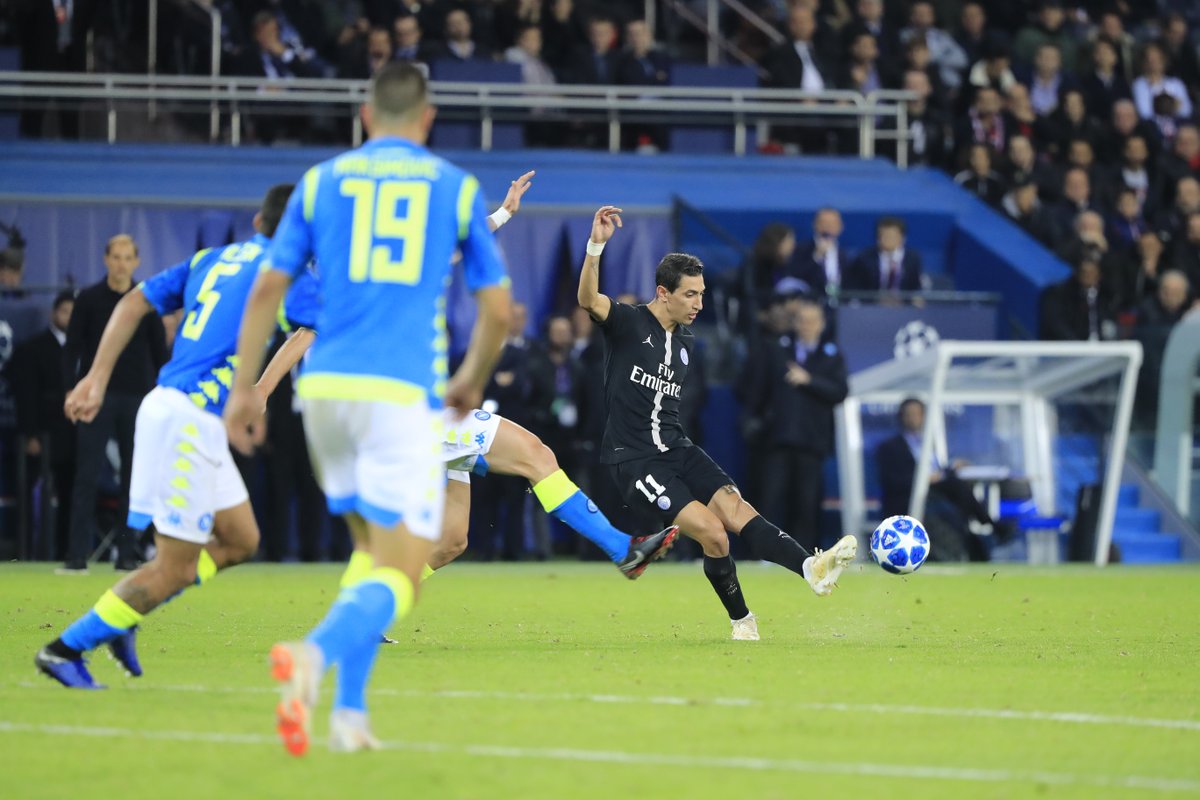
[
  {"x": 597, "y": 64},
  {"x": 887, "y": 266},
  {"x": 49, "y": 436},
  {"x": 459, "y": 44},
  {"x": 950, "y": 504},
  {"x": 821, "y": 263},
  {"x": 1080, "y": 308},
  {"x": 793, "y": 384},
  {"x": 799, "y": 64}
]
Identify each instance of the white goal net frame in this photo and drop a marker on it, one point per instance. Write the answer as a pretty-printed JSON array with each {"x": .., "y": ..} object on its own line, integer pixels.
[{"x": 1027, "y": 376}]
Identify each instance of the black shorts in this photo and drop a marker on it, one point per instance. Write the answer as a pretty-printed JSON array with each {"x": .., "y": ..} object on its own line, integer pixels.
[{"x": 660, "y": 485}]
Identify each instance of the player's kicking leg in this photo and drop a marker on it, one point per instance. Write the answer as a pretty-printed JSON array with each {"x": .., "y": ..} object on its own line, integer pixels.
[{"x": 766, "y": 542}]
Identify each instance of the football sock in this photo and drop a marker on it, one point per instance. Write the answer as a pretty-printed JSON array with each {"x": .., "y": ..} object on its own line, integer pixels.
[
  {"x": 108, "y": 619},
  {"x": 768, "y": 543},
  {"x": 362, "y": 613},
  {"x": 352, "y": 676},
  {"x": 564, "y": 501},
  {"x": 358, "y": 568},
  {"x": 206, "y": 568},
  {"x": 722, "y": 574}
]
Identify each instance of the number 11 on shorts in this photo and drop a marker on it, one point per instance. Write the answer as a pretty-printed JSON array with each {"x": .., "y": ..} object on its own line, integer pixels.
[{"x": 658, "y": 488}]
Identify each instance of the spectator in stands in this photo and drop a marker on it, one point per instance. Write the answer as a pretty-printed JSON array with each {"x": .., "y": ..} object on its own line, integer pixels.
[
  {"x": 1051, "y": 29},
  {"x": 944, "y": 52},
  {"x": 1112, "y": 29},
  {"x": 1047, "y": 80},
  {"x": 917, "y": 57},
  {"x": 49, "y": 437},
  {"x": 644, "y": 64},
  {"x": 1153, "y": 80},
  {"x": 1076, "y": 197},
  {"x": 978, "y": 177},
  {"x": 304, "y": 26},
  {"x": 1127, "y": 223},
  {"x": 985, "y": 123},
  {"x": 1021, "y": 118},
  {"x": 1139, "y": 174},
  {"x": 797, "y": 64},
  {"x": 993, "y": 67},
  {"x": 821, "y": 263},
  {"x": 527, "y": 52},
  {"x": 1173, "y": 222},
  {"x": 1104, "y": 84},
  {"x": 565, "y": 33},
  {"x": 869, "y": 16},
  {"x": 1157, "y": 316},
  {"x": 1080, "y": 308},
  {"x": 1086, "y": 240},
  {"x": 887, "y": 266},
  {"x": 1023, "y": 167},
  {"x": 459, "y": 44},
  {"x": 1023, "y": 207},
  {"x": 1126, "y": 123},
  {"x": 1080, "y": 155},
  {"x": 1180, "y": 51},
  {"x": 863, "y": 72},
  {"x": 926, "y": 141},
  {"x": 1185, "y": 250},
  {"x": 1183, "y": 160},
  {"x": 272, "y": 57},
  {"x": 599, "y": 63},
  {"x": 972, "y": 37},
  {"x": 409, "y": 43},
  {"x": 133, "y": 376},
  {"x": 363, "y": 60},
  {"x": 1070, "y": 122},
  {"x": 772, "y": 258},
  {"x": 1138, "y": 272},
  {"x": 793, "y": 384},
  {"x": 950, "y": 505}
]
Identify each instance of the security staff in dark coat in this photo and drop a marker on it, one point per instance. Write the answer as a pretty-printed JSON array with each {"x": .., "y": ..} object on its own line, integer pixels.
[{"x": 794, "y": 383}]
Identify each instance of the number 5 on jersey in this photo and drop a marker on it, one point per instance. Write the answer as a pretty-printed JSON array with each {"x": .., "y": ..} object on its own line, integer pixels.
[
  {"x": 655, "y": 485},
  {"x": 208, "y": 298},
  {"x": 388, "y": 216}
]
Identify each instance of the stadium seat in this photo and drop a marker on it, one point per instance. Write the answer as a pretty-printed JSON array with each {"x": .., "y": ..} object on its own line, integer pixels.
[
  {"x": 10, "y": 61},
  {"x": 703, "y": 139},
  {"x": 451, "y": 134}
]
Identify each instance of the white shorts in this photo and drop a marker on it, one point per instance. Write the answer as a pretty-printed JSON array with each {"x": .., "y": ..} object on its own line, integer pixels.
[
  {"x": 467, "y": 440},
  {"x": 381, "y": 460},
  {"x": 183, "y": 473}
]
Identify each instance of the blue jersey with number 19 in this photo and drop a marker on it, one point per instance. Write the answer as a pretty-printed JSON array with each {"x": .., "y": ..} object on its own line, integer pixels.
[
  {"x": 383, "y": 222},
  {"x": 211, "y": 287}
]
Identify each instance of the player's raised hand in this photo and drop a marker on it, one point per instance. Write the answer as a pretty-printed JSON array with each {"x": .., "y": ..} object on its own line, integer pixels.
[
  {"x": 605, "y": 223},
  {"x": 84, "y": 401},
  {"x": 244, "y": 423},
  {"x": 517, "y": 190}
]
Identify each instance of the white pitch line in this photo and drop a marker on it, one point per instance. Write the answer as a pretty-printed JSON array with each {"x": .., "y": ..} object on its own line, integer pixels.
[
  {"x": 1065, "y": 717},
  {"x": 751, "y": 764}
]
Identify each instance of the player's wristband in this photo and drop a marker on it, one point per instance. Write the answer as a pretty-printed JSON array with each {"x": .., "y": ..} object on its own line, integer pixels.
[
  {"x": 595, "y": 249},
  {"x": 500, "y": 217}
]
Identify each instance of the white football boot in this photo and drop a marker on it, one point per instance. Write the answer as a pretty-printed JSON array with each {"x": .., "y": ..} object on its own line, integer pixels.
[
  {"x": 745, "y": 629},
  {"x": 349, "y": 732},
  {"x": 823, "y": 569}
]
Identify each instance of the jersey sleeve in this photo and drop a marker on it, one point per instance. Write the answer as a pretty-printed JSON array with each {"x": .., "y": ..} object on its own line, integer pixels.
[
  {"x": 482, "y": 264},
  {"x": 302, "y": 303},
  {"x": 165, "y": 290},
  {"x": 620, "y": 319},
  {"x": 292, "y": 245}
]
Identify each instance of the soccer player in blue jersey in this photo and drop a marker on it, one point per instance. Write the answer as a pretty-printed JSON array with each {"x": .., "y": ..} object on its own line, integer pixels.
[
  {"x": 382, "y": 223},
  {"x": 477, "y": 443},
  {"x": 184, "y": 481}
]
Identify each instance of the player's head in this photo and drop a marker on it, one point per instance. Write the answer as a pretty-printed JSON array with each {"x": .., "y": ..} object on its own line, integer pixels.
[
  {"x": 271, "y": 210},
  {"x": 121, "y": 258},
  {"x": 399, "y": 103},
  {"x": 679, "y": 282}
]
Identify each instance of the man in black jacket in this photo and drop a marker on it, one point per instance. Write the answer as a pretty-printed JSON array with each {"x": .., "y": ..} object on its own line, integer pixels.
[
  {"x": 888, "y": 266},
  {"x": 49, "y": 438},
  {"x": 133, "y": 376},
  {"x": 794, "y": 384}
]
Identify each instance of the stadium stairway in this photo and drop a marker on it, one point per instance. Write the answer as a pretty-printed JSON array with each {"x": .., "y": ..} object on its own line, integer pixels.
[{"x": 1137, "y": 530}]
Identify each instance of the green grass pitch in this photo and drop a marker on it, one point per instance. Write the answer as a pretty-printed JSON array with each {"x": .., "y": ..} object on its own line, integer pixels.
[{"x": 564, "y": 680}]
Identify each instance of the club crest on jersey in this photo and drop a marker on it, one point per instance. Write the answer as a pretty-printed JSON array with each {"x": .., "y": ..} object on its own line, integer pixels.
[
  {"x": 683, "y": 356},
  {"x": 483, "y": 416},
  {"x": 664, "y": 502}
]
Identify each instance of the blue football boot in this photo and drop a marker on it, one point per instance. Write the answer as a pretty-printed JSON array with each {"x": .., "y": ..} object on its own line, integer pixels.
[
  {"x": 72, "y": 673},
  {"x": 124, "y": 650}
]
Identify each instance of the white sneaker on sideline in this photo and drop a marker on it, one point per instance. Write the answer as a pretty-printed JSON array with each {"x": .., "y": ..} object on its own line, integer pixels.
[
  {"x": 349, "y": 732},
  {"x": 745, "y": 629},
  {"x": 823, "y": 570}
]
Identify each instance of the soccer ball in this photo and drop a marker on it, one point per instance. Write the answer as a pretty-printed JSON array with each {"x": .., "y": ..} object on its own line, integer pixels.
[{"x": 900, "y": 545}]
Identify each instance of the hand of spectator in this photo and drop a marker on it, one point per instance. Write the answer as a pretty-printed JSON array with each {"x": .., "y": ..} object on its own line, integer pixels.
[
  {"x": 84, "y": 401},
  {"x": 516, "y": 190},
  {"x": 33, "y": 447},
  {"x": 797, "y": 375},
  {"x": 605, "y": 223},
  {"x": 244, "y": 422}
]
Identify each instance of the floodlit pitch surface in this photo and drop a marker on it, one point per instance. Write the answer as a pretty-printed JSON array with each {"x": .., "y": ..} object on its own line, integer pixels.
[{"x": 566, "y": 681}]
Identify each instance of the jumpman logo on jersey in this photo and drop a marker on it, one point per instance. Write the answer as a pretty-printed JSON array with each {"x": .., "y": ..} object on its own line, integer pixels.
[{"x": 648, "y": 342}]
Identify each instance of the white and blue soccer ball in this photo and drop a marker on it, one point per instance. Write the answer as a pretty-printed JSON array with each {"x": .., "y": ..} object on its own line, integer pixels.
[{"x": 900, "y": 544}]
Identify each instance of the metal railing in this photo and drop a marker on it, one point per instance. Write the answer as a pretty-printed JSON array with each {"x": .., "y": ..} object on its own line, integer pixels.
[{"x": 486, "y": 103}]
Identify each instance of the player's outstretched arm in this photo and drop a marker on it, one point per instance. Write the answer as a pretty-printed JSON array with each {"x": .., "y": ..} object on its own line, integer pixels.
[
  {"x": 84, "y": 401},
  {"x": 465, "y": 389},
  {"x": 512, "y": 202},
  {"x": 243, "y": 412},
  {"x": 604, "y": 225},
  {"x": 282, "y": 362}
]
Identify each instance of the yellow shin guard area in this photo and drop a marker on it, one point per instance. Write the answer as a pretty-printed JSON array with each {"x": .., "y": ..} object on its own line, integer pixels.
[
  {"x": 554, "y": 490},
  {"x": 116, "y": 612},
  {"x": 206, "y": 568},
  {"x": 427, "y": 573},
  {"x": 360, "y": 566}
]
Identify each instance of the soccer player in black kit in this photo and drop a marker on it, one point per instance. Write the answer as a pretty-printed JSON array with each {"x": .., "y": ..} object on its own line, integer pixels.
[{"x": 654, "y": 464}]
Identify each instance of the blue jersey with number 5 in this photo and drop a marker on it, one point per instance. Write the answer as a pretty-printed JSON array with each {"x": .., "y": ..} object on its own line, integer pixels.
[
  {"x": 211, "y": 287},
  {"x": 383, "y": 223}
]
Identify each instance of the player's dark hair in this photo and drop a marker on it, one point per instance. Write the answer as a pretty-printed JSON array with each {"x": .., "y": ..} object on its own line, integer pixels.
[
  {"x": 398, "y": 90},
  {"x": 673, "y": 267},
  {"x": 273, "y": 204}
]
